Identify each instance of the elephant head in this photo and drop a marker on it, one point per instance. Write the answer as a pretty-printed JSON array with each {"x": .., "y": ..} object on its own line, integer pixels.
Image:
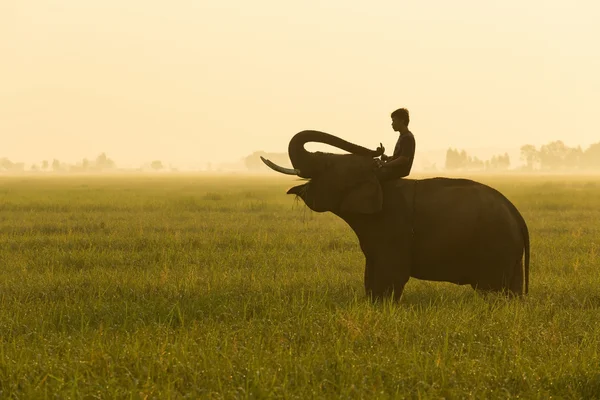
[{"x": 340, "y": 183}]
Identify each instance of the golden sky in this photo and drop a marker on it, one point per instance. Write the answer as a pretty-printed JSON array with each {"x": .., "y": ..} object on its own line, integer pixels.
[{"x": 195, "y": 81}]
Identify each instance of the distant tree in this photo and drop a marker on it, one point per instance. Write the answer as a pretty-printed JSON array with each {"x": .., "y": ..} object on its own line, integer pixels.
[
  {"x": 452, "y": 159},
  {"x": 156, "y": 165},
  {"x": 500, "y": 162},
  {"x": 591, "y": 157},
  {"x": 456, "y": 160},
  {"x": 6, "y": 164},
  {"x": 553, "y": 155},
  {"x": 530, "y": 155},
  {"x": 45, "y": 165},
  {"x": 494, "y": 163},
  {"x": 475, "y": 164},
  {"x": 464, "y": 159},
  {"x": 573, "y": 157},
  {"x": 55, "y": 165},
  {"x": 103, "y": 162}
]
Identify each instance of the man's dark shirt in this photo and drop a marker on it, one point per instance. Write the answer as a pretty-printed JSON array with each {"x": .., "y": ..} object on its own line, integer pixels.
[{"x": 404, "y": 147}]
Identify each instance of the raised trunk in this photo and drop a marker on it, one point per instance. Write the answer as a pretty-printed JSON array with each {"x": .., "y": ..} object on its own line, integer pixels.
[{"x": 307, "y": 162}]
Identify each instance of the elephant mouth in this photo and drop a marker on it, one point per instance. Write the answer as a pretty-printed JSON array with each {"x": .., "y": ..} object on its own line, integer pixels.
[{"x": 298, "y": 190}]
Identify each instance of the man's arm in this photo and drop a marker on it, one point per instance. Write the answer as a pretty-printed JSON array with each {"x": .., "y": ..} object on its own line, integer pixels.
[
  {"x": 401, "y": 160},
  {"x": 406, "y": 152}
]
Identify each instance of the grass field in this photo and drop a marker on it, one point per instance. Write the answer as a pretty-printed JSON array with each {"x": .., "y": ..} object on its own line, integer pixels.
[{"x": 224, "y": 287}]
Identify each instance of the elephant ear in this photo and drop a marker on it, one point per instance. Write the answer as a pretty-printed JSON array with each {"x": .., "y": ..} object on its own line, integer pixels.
[{"x": 364, "y": 198}]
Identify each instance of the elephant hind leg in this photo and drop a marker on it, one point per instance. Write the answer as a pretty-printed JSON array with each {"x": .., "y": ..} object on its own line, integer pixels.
[
  {"x": 509, "y": 283},
  {"x": 516, "y": 288},
  {"x": 492, "y": 283},
  {"x": 488, "y": 287}
]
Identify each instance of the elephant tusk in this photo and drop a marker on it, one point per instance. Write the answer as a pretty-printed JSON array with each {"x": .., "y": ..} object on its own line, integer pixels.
[{"x": 275, "y": 167}]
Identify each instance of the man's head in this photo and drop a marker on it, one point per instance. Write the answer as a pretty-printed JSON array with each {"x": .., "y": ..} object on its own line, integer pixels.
[{"x": 400, "y": 118}]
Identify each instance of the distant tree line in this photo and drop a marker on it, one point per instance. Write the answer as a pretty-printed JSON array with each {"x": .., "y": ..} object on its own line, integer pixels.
[
  {"x": 7, "y": 165},
  {"x": 556, "y": 156},
  {"x": 102, "y": 163},
  {"x": 460, "y": 160}
]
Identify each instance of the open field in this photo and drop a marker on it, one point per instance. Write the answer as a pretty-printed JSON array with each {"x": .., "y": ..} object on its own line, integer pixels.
[{"x": 224, "y": 287}]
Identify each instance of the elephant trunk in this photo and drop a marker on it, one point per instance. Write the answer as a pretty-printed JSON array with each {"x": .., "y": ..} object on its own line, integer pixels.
[{"x": 310, "y": 164}]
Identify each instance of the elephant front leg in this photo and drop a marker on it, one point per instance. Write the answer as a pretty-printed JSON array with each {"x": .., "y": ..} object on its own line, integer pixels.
[{"x": 384, "y": 281}]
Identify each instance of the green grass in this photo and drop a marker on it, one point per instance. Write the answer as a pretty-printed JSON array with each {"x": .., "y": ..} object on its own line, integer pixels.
[{"x": 212, "y": 287}]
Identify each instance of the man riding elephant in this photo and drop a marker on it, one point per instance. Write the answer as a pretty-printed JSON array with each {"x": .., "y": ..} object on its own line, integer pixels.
[
  {"x": 400, "y": 163},
  {"x": 437, "y": 229}
]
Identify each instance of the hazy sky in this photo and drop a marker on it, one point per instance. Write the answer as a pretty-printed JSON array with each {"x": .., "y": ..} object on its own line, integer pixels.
[{"x": 192, "y": 81}]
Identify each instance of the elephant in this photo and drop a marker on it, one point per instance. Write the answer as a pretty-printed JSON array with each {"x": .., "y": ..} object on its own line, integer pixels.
[{"x": 436, "y": 229}]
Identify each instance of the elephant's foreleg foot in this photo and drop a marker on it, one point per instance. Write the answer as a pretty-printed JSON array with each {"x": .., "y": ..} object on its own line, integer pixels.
[
  {"x": 384, "y": 283},
  {"x": 377, "y": 297},
  {"x": 393, "y": 292}
]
